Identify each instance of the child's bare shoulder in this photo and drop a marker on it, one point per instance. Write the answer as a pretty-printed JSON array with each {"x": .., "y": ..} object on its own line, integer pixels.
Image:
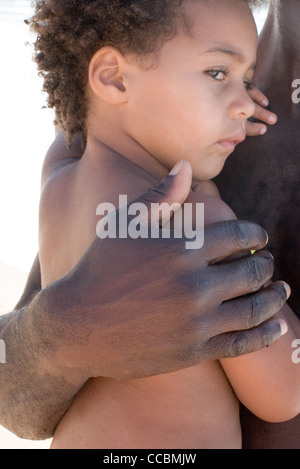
[
  {"x": 215, "y": 209},
  {"x": 58, "y": 168},
  {"x": 55, "y": 215},
  {"x": 59, "y": 156}
]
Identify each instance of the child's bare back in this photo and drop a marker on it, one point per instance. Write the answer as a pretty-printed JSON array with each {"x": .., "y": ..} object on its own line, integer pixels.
[{"x": 192, "y": 408}]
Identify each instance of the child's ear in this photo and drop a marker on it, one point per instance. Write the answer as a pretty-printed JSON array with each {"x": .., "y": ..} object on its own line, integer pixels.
[{"x": 106, "y": 75}]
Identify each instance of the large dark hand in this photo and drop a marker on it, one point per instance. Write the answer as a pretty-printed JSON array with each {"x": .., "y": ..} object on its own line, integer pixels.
[{"x": 133, "y": 308}]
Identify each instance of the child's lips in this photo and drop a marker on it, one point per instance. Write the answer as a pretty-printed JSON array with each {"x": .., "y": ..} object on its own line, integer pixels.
[
  {"x": 228, "y": 145},
  {"x": 231, "y": 142}
]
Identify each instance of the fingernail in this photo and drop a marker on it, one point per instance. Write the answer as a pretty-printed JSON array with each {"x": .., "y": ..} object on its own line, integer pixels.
[
  {"x": 267, "y": 237},
  {"x": 177, "y": 168},
  {"x": 263, "y": 130},
  {"x": 283, "y": 326},
  {"x": 272, "y": 120},
  {"x": 265, "y": 102},
  {"x": 287, "y": 289}
]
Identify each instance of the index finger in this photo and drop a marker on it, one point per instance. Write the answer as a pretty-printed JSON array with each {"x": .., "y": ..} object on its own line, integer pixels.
[
  {"x": 226, "y": 239},
  {"x": 258, "y": 96},
  {"x": 264, "y": 115}
]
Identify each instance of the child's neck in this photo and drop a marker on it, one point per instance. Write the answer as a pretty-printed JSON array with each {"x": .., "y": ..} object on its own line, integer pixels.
[
  {"x": 112, "y": 144},
  {"x": 279, "y": 56}
]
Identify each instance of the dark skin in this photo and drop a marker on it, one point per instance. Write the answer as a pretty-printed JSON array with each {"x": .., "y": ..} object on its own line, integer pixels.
[{"x": 264, "y": 173}]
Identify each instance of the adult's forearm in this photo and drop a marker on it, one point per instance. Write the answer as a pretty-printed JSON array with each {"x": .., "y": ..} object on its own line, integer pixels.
[
  {"x": 33, "y": 285},
  {"x": 34, "y": 395}
]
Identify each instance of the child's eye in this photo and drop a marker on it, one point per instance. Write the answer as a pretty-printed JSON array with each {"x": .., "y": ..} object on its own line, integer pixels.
[{"x": 218, "y": 75}]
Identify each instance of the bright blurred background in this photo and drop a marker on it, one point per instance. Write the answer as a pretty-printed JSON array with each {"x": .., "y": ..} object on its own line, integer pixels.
[{"x": 26, "y": 133}]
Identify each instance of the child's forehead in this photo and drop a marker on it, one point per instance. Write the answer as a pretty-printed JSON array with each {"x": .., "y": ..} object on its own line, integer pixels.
[
  {"x": 216, "y": 12},
  {"x": 216, "y": 22},
  {"x": 228, "y": 32}
]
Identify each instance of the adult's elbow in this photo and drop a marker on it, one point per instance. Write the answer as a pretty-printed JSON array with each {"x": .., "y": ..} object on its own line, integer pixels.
[{"x": 27, "y": 430}]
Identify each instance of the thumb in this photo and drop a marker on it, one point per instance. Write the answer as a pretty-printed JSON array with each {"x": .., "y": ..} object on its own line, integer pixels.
[{"x": 170, "y": 194}]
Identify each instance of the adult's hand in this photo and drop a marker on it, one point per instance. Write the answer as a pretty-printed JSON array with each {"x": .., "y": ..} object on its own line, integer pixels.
[
  {"x": 262, "y": 114},
  {"x": 139, "y": 307}
]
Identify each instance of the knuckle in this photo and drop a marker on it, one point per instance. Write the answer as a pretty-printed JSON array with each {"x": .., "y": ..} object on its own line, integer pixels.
[
  {"x": 241, "y": 234},
  {"x": 159, "y": 192},
  {"x": 196, "y": 288},
  {"x": 239, "y": 345},
  {"x": 254, "y": 314},
  {"x": 268, "y": 334},
  {"x": 260, "y": 269},
  {"x": 199, "y": 324},
  {"x": 189, "y": 355},
  {"x": 151, "y": 196},
  {"x": 206, "y": 299},
  {"x": 263, "y": 305},
  {"x": 203, "y": 287},
  {"x": 248, "y": 235},
  {"x": 281, "y": 296}
]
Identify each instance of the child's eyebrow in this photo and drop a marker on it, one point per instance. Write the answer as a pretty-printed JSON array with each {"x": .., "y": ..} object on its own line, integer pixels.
[{"x": 238, "y": 56}]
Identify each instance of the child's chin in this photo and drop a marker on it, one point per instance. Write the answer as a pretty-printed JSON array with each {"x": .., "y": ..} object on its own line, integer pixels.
[
  {"x": 212, "y": 170},
  {"x": 208, "y": 175}
]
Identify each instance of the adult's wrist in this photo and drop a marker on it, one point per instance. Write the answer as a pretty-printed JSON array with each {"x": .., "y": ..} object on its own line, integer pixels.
[{"x": 52, "y": 338}]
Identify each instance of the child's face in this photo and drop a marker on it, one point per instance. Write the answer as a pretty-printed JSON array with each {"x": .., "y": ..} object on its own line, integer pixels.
[{"x": 194, "y": 104}]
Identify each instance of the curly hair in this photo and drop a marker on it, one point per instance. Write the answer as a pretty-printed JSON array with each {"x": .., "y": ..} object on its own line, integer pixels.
[{"x": 70, "y": 32}]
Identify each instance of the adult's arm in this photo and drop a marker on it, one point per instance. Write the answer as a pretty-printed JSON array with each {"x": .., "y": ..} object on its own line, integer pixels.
[
  {"x": 134, "y": 308},
  {"x": 33, "y": 285}
]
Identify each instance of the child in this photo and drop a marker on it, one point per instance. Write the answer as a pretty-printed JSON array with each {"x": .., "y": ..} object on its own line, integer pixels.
[{"x": 148, "y": 84}]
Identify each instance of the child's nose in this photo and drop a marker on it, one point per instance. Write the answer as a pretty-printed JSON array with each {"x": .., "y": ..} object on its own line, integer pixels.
[{"x": 242, "y": 106}]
